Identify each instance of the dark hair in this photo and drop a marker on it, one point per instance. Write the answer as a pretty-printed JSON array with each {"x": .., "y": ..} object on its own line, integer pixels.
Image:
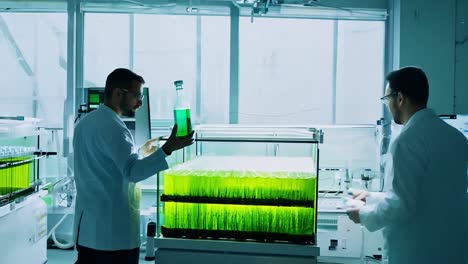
[
  {"x": 411, "y": 82},
  {"x": 120, "y": 78}
]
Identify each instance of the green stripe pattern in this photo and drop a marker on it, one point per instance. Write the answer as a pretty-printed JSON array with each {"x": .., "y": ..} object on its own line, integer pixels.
[
  {"x": 297, "y": 186},
  {"x": 227, "y": 217},
  {"x": 14, "y": 178},
  {"x": 237, "y": 184}
]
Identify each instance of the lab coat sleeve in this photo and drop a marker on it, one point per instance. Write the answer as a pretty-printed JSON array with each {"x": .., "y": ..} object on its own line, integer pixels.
[
  {"x": 122, "y": 152},
  {"x": 141, "y": 169},
  {"x": 400, "y": 202},
  {"x": 375, "y": 197}
]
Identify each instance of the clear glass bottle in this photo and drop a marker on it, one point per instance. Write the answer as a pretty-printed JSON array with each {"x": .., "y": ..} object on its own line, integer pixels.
[{"x": 182, "y": 111}]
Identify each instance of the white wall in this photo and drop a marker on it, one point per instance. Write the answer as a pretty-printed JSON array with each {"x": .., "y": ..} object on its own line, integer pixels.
[
  {"x": 461, "y": 63},
  {"x": 427, "y": 31}
]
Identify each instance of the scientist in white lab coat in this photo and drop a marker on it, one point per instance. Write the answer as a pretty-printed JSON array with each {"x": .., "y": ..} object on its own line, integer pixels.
[
  {"x": 424, "y": 212},
  {"x": 107, "y": 166}
]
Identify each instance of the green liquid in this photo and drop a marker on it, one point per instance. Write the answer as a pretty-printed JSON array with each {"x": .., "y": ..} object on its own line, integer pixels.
[
  {"x": 14, "y": 178},
  {"x": 182, "y": 119}
]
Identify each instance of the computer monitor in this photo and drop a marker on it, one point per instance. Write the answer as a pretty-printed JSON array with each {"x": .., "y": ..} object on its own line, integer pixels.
[
  {"x": 140, "y": 125},
  {"x": 95, "y": 97}
]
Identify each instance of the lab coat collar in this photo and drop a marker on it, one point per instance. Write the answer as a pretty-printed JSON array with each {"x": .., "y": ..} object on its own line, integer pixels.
[
  {"x": 108, "y": 111},
  {"x": 419, "y": 115}
]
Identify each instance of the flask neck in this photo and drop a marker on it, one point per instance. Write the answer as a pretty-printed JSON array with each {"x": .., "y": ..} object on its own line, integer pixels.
[{"x": 181, "y": 100}]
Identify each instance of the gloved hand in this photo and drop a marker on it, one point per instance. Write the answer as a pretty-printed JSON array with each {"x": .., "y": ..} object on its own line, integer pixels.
[
  {"x": 360, "y": 195},
  {"x": 148, "y": 148},
  {"x": 175, "y": 143},
  {"x": 353, "y": 206}
]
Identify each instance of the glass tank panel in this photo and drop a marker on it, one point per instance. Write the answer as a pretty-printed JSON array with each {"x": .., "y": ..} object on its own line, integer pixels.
[{"x": 242, "y": 195}]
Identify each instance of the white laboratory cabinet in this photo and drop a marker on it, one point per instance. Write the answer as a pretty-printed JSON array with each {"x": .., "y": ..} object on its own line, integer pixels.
[
  {"x": 23, "y": 213},
  {"x": 23, "y": 231}
]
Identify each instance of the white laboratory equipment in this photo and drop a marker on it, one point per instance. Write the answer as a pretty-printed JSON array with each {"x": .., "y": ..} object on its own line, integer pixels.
[
  {"x": 350, "y": 157},
  {"x": 340, "y": 239},
  {"x": 23, "y": 214}
]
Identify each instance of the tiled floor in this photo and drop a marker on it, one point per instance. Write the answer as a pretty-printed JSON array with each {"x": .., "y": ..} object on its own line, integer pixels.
[{"x": 58, "y": 256}]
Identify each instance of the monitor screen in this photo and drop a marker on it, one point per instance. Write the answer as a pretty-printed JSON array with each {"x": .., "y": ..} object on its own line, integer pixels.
[{"x": 95, "y": 98}]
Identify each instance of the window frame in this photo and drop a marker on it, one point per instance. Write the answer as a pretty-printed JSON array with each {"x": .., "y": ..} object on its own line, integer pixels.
[{"x": 334, "y": 9}]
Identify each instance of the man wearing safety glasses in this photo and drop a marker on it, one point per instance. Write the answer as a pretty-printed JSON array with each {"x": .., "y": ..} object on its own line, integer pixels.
[
  {"x": 424, "y": 212},
  {"x": 107, "y": 166}
]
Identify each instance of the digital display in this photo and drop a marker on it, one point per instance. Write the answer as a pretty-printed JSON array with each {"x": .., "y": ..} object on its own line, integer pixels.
[{"x": 95, "y": 98}]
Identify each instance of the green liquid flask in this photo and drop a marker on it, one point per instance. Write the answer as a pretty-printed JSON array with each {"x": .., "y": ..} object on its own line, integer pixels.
[{"x": 182, "y": 112}]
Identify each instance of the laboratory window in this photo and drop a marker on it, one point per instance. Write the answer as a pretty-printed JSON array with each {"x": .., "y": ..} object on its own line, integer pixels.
[{"x": 33, "y": 65}]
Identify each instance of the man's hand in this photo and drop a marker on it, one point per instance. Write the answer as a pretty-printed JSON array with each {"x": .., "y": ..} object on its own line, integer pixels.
[
  {"x": 148, "y": 148},
  {"x": 175, "y": 143},
  {"x": 360, "y": 195},
  {"x": 353, "y": 214},
  {"x": 353, "y": 206}
]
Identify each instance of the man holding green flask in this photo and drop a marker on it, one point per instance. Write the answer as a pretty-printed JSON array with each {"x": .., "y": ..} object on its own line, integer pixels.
[{"x": 107, "y": 166}]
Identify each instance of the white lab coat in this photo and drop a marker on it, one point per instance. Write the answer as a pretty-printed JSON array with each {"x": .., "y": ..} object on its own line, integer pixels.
[
  {"x": 425, "y": 211},
  {"x": 107, "y": 166}
]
